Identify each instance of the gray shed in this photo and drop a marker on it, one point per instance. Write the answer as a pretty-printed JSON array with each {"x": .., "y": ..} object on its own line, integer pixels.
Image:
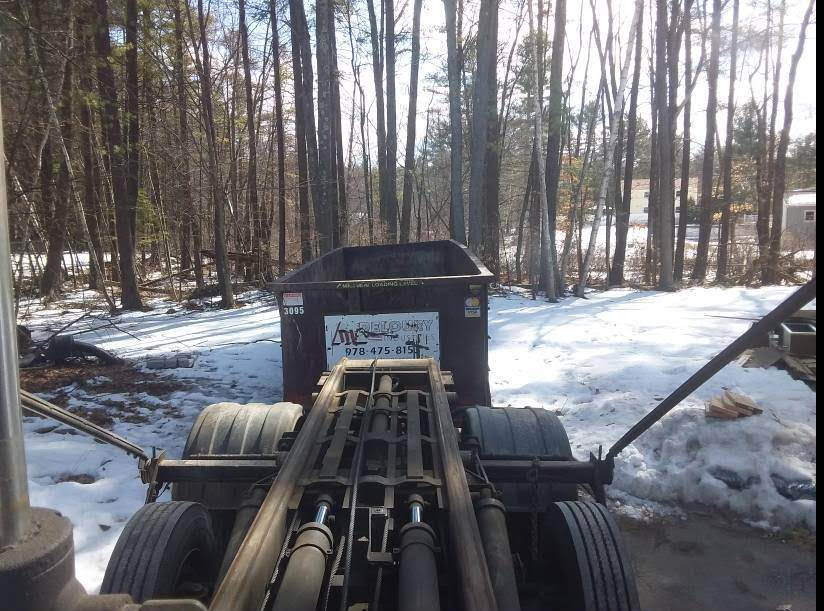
[{"x": 799, "y": 220}]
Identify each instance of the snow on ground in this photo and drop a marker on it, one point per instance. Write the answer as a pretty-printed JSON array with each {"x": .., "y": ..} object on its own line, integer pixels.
[
  {"x": 600, "y": 363},
  {"x": 604, "y": 362},
  {"x": 238, "y": 359}
]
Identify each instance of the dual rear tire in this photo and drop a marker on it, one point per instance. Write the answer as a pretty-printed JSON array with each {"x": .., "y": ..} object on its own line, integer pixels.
[
  {"x": 174, "y": 549},
  {"x": 595, "y": 569},
  {"x": 166, "y": 550}
]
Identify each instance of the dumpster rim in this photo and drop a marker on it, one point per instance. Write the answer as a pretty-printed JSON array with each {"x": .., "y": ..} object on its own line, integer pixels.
[{"x": 484, "y": 276}]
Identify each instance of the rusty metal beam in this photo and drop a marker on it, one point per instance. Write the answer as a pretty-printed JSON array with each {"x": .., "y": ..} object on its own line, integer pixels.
[
  {"x": 244, "y": 585},
  {"x": 464, "y": 535}
]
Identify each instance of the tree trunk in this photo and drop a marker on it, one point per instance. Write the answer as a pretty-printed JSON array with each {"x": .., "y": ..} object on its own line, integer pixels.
[
  {"x": 341, "y": 213},
  {"x": 377, "y": 73},
  {"x": 281, "y": 141},
  {"x": 699, "y": 272},
  {"x": 616, "y": 274},
  {"x": 769, "y": 152},
  {"x": 185, "y": 183},
  {"x": 530, "y": 181},
  {"x": 555, "y": 103},
  {"x": 132, "y": 111},
  {"x": 300, "y": 132},
  {"x": 456, "y": 211},
  {"x": 123, "y": 209},
  {"x": 617, "y": 111},
  {"x": 260, "y": 234},
  {"x": 409, "y": 161},
  {"x": 483, "y": 90},
  {"x": 300, "y": 29},
  {"x": 726, "y": 161},
  {"x": 491, "y": 187},
  {"x": 547, "y": 252},
  {"x": 219, "y": 202},
  {"x": 90, "y": 181},
  {"x": 779, "y": 177},
  {"x": 681, "y": 237},
  {"x": 664, "y": 151},
  {"x": 391, "y": 128},
  {"x": 324, "y": 221}
]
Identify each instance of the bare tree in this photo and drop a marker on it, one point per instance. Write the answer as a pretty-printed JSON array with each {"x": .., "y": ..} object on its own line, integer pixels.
[
  {"x": 260, "y": 235},
  {"x": 190, "y": 219},
  {"x": 553, "y": 145},
  {"x": 56, "y": 201},
  {"x": 547, "y": 251},
  {"x": 132, "y": 116},
  {"x": 130, "y": 296},
  {"x": 218, "y": 193},
  {"x": 768, "y": 152},
  {"x": 409, "y": 161},
  {"x": 618, "y": 109},
  {"x": 380, "y": 107},
  {"x": 295, "y": 6},
  {"x": 726, "y": 160},
  {"x": 699, "y": 272},
  {"x": 616, "y": 272},
  {"x": 300, "y": 32},
  {"x": 324, "y": 219},
  {"x": 663, "y": 150},
  {"x": 483, "y": 90},
  {"x": 456, "y": 210},
  {"x": 779, "y": 181},
  {"x": 281, "y": 139},
  {"x": 681, "y": 235},
  {"x": 391, "y": 127}
]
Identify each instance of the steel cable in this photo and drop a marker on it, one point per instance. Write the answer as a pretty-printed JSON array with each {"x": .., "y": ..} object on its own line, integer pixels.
[{"x": 356, "y": 469}]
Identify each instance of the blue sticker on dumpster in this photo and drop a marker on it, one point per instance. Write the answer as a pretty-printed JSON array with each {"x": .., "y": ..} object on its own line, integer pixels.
[{"x": 405, "y": 335}]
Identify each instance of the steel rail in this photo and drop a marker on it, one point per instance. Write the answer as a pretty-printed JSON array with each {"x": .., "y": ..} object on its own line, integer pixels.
[
  {"x": 465, "y": 537},
  {"x": 15, "y": 507},
  {"x": 244, "y": 585},
  {"x": 50, "y": 410}
]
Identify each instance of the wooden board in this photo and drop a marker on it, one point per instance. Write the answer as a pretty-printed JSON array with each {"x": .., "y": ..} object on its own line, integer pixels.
[
  {"x": 743, "y": 403},
  {"x": 715, "y": 408}
]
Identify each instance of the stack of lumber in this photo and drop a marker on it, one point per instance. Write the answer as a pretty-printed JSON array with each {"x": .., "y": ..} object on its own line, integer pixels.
[
  {"x": 799, "y": 367},
  {"x": 731, "y": 405}
]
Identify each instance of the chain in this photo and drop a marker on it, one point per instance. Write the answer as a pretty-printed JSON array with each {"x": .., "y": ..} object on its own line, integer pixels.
[{"x": 532, "y": 477}]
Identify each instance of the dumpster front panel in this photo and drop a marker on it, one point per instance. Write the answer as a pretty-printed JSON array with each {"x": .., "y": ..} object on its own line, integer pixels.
[
  {"x": 432, "y": 296},
  {"x": 402, "y": 335}
]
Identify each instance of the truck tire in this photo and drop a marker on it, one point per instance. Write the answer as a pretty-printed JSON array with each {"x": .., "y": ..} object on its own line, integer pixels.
[
  {"x": 525, "y": 433},
  {"x": 166, "y": 550},
  {"x": 595, "y": 569},
  {"x": 252, "y": 429}
]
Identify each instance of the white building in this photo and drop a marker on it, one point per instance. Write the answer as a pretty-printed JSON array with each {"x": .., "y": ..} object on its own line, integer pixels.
[{"x": 639, "y": 201}]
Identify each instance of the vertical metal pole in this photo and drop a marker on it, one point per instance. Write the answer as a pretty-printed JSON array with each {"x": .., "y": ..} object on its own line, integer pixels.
[{"x": 14, "y": 490}]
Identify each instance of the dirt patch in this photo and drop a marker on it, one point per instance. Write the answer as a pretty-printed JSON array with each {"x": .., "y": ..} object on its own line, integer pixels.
[
  {"x": 706, "y": 561},
  {"x": 103, "y": 379},
  {"x": 94, "y": 385},
  {"x": 80, "y": 478}
]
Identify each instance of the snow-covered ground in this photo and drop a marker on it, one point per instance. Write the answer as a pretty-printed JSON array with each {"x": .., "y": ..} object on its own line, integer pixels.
[
  {"x": 600, "y": 363},
  {"x": 604, "y": 362}
]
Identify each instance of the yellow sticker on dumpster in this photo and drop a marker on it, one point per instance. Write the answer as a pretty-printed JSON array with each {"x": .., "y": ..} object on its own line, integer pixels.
[
  {"x": 404, "y": 335},
  {"x": 472, "y": 307}
]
